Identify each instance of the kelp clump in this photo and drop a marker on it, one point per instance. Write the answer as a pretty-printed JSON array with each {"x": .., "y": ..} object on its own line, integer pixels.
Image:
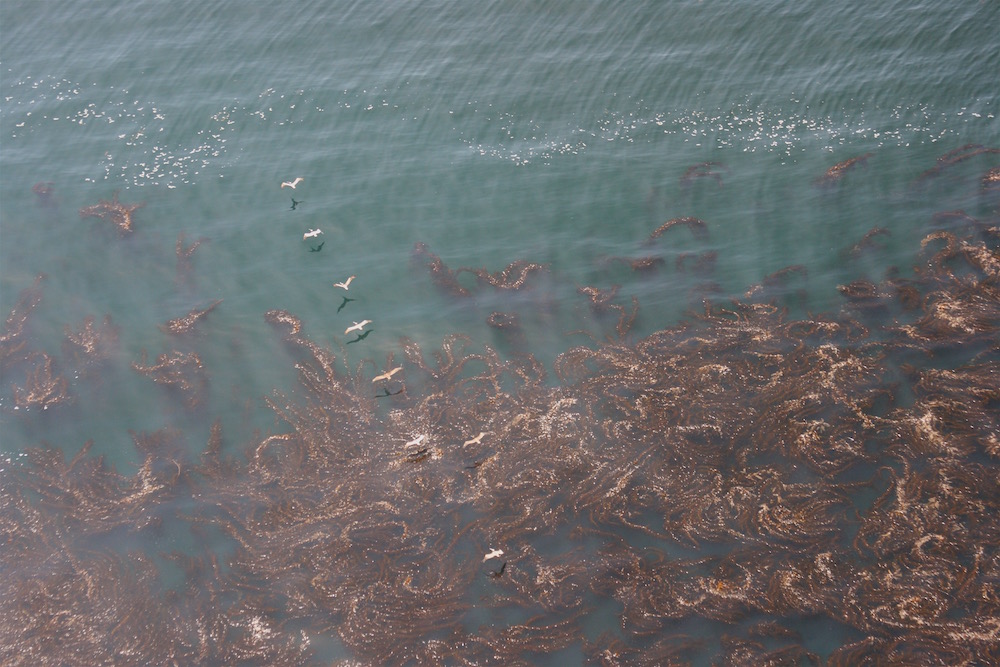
[
  {"x": 181, "y": 371},
  {"x": 118, "y": 213}
]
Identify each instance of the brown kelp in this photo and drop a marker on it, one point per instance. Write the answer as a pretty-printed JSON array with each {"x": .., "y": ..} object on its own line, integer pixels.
[
  {"x": 118, "y": 213},
  {"x": 184, "y": 254},
  {"x": 837, "y": 172},
  {"x": 955, "y": 156},
  {"x": 513, "y": 277},
  {"x": 42, "y": 389},
  {"x": 868, "y": 240},
  {"x": 776, "y": 283},
  {"x": 991, "y": 180},
  {"x": 601, "y": 302},
  {"x": 13, "y": 340},
  {"x": 739, "y": 471},
  {"x": 703, "y": 263},
  {"x": 647, "y": 264},
  {"x": 443, "y": 277},
  {"x": 697, "y": 226},
  {"x": 89, "y": 343},
  {"x": 185, "y": 323},
  {"x": 181, "y": 371},
  {"x": 962, "y": 302}
]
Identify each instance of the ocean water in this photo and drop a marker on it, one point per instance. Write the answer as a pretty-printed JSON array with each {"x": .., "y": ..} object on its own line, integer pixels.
[{"x": 551, "y": 132}]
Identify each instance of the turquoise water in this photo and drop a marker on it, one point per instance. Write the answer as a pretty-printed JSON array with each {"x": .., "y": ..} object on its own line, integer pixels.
[{"x": 552, "y": 132}]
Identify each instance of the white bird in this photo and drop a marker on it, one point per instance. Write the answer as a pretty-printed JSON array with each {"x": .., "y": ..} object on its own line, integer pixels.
[
  {"x": 387, "y": 374},
  {"x": 311, "y": 233},
  {"x": 346, "y": 284},
  {"x": 357, "y": 326},
  {"x": 416, "y": 441},
  {"x": 496, "y": 553},
  {"x": 476, "y": 440},
  {"x": 292, "y": 184}
]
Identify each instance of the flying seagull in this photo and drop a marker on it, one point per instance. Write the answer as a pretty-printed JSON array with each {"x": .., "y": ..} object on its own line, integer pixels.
[
  {"x": 317, "y": 248},
  {"x": 476, "y": 440},
  {"x": 387, "y": 374},
  {"x": 343, "y": 303},
  {"x": 357, "y": 326},
  {"x": 311, "y": 233},
  {"x": 295, "y": 202},
  {"x": 292, "y": 184},
  {"x": 416, "y": 441},
  {"x": 495, "y": 553},
  {"x": 346, "y": 284}
]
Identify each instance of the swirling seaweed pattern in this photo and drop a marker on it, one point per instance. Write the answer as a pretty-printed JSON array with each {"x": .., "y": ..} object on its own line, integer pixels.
[{"x": 708, "y": 471}]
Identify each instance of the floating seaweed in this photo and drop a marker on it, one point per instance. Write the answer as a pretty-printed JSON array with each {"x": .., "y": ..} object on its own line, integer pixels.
[
  {"x": 962, "y": 304},
  {"x": 837, "y": 172},
  {"x": 90, "y": 344},
  {"x": 442, "y": 276},
  {"x": 740, "y": 469},
  {"x": 647, "y": 264},
  {"x": 600, "y": 302},
  {"x": 991, "y": 180},
  {"x": 776, "y": 282},
  {"x": 697, "y": 226},
  {"x": 182, "y": 371},
  {"x": 508, "y": 324},
  {"x": 955, "y": 156},
  {"x": 286, "y": 319},
  {"x": 504, "y": 321},
  {"x": 867, "y": 240},
  {"x": 704, "y": 263},
  {"x": 865, "y": 296},
  {"x": 115, "y": 211},
  {"x": 513, "y": 277},
  {"x": 185, "y": 324},
  {"x": 184, "y": 254},
  {"x": 12, "y": 341},
  {"x": 600, "y": 299},
  {"x": 42, "y": 390}
]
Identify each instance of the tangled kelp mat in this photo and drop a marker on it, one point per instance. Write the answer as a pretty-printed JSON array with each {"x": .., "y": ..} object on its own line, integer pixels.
[{"x": 742, "y": 470}]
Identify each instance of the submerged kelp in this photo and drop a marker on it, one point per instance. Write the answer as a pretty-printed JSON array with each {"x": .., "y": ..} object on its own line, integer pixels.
[
  {"x": 13, "y": 341},
  {"x": 743, "y": 469}
]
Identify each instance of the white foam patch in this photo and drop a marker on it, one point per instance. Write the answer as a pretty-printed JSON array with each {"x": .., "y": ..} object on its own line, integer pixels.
[{"x": 745, "y": 126}]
